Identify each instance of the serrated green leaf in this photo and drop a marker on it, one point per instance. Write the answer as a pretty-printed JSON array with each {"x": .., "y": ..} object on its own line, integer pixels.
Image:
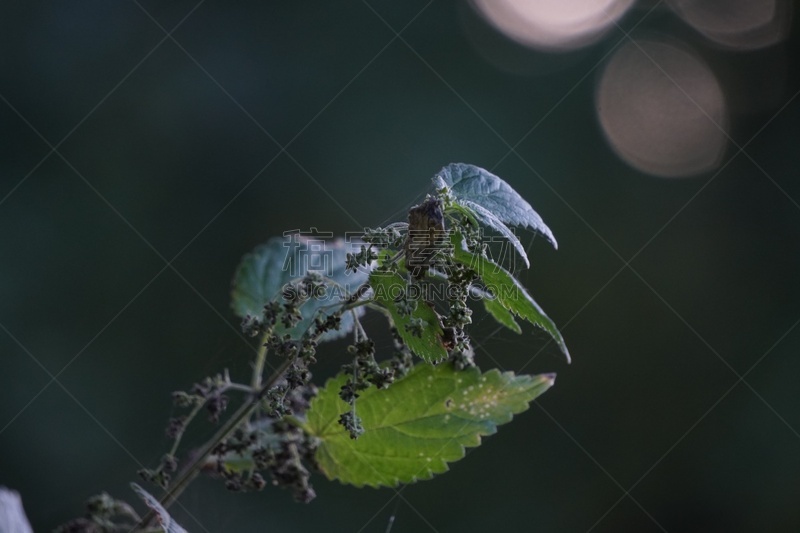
[
  {"x": 259, "y": 278},
  {"x": 417, "y": 426},
  {"x": 507, "y": 290},
  {"x": 488, "y": 218},
  {"x": 262, "y": 274},
  {"x": 479, "y": 186},
  {"x": 501, "y": 314},
  {"x": 386, "y": 287}
]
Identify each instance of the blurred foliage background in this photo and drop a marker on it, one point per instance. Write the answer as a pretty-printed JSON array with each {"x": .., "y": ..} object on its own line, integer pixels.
[{"x": 147, "y": 146}]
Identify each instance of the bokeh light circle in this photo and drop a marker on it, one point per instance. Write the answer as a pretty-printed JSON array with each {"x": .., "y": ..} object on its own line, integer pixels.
[
  {"x": 737, "y": 24},
  {"x": 553, "y": 24},
  {"x": 662, "y": 109}
]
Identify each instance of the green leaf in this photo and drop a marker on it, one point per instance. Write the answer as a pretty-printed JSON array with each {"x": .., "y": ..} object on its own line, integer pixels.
[
  {"x": 479, "y": 186},
  {"x": 259, "y": 278},
  {"x": 488, "y": 218},
  {"x": 263, "y": 273},
  {"x": 419, "y": 424},
  {"x": 386, "y": 287},
  {"x": 501, "y": 314},
  {"x": 507, "y": 290}
]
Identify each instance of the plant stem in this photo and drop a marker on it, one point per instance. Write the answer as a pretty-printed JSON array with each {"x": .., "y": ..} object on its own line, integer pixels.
[
  {"x": 191, "y": 471},
  {"x": 296, "y": 422},
  {"x": 241, "y": 414},
  {"x": 199, "y": 407},
  {"x": 261, "y": 359},
  {"x": 361, "y": 291},
  {"x": 196, "y": 409}
]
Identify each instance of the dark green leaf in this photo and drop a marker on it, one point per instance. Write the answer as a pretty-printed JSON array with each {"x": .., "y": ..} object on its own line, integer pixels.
[
  {"x": 263, "y": 273},
  {"x": 488, "y": 218},
  {"x": 259, "y": 278},
  {"x": 387, "y": 287},
  {"x": 507, "y": 290}
]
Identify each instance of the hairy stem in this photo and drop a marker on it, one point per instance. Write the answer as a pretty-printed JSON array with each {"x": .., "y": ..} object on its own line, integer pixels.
[
  {"x": 177, "y": 442},
  {"x": 199, "y": 407},
  {"x": 298, "y": 423},
  {"x": 243, "y": 413},
  {"x": 361, "y": 291},
  {"x": 261, "y": 359},
  {"x": 193, "y": 468}
]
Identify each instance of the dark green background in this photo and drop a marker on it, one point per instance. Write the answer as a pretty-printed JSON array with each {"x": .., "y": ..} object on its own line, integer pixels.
[{"x": 173, "y": 154}]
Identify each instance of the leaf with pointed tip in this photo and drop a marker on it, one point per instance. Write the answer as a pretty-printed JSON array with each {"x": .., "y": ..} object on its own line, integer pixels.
[
  {"x": 486, "y": 216},
  {"x": 263, "y": 273},
  {"x": 479, "y": 186},
  {"x": 507, "y": 290},
  {"x": 501, "y": 314},
  {"x": 413, "y": 429},
  {"x": 386, "y": 287}
]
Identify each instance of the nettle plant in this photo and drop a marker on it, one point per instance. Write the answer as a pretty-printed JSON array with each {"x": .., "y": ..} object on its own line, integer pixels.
[{"x": 386, "y": 418}]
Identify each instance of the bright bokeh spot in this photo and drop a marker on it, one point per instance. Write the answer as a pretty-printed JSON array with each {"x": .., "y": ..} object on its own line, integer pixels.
[
  {"x": 662, "y": 109},
  {"x": 737, "y": 24},
  {"x": 553, "y": 24}
]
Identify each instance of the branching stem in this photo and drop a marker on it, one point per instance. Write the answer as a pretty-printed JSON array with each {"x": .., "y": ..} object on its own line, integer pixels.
[
  {"x": 193, "y": 468},
  {"x": 242, "y": 414}
]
